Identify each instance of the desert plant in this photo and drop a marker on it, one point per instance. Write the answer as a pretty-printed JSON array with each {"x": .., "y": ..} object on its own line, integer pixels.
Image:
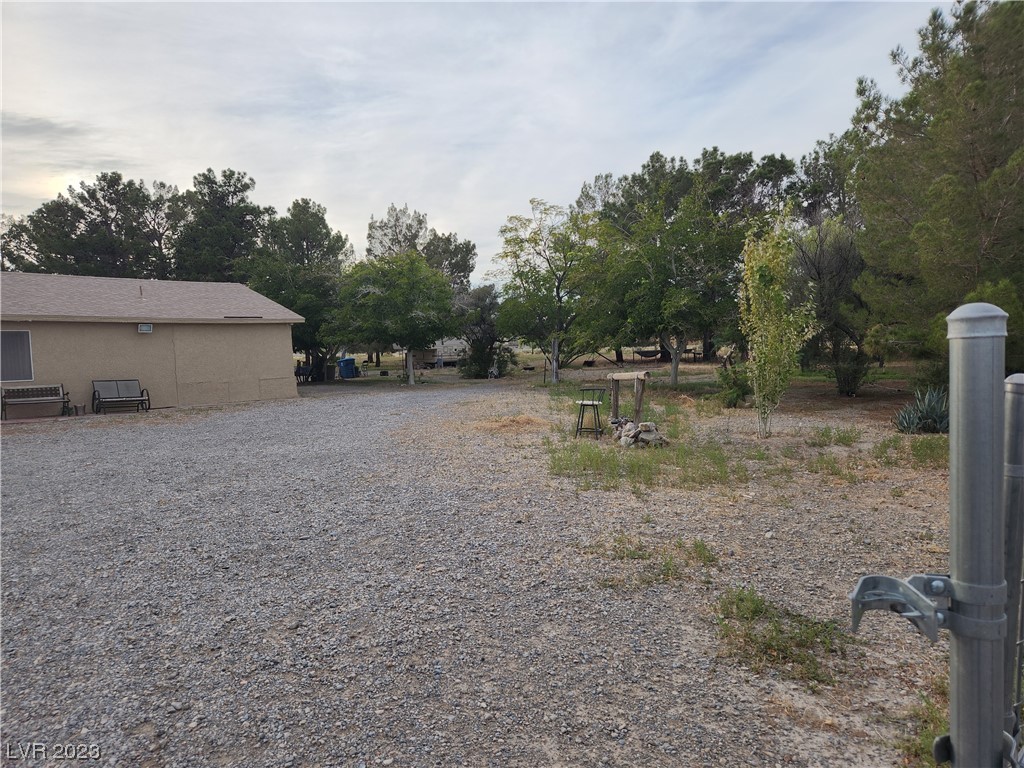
[
  {"x": 929, "y": 413},
  {"x": 706, "y": 463},
  {"x": 665, "y": 571}
]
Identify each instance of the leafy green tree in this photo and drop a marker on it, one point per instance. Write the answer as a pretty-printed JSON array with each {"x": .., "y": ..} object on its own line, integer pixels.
[
  {"x": 484, "y": 350},
  {"x": 542, "y": 254},
  {"x": 604, "y": 280},
  {"x": 941, "y": 177},
  {"x": 220, "y": 228},
  {"x": 668, "y": 260},
  {"x": 452, "y": 257},
  {"x": 824, "y": 185},
  {"x": 622, "y": 203},
  {"x": 737, "y": 187},
  {"x": 774, "y": 331},
  {"x": 1007, "y": 297},
  {"x": 300, "y": 266},
  {"x": 688, "y": 263},
  {"x": 111, "y": 228},
  {"x": 606, "y": 273},
  {"x": 400, "y": 231},
  {"x": 826, "y": 265},
  {"x": 395, "y": 300}
]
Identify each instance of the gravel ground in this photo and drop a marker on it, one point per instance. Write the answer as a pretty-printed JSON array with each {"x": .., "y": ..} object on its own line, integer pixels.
[{"x": 391, "y": 577}]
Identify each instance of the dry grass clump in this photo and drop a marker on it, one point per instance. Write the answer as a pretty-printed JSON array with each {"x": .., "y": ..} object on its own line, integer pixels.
[{"x": 521, "y": 422}]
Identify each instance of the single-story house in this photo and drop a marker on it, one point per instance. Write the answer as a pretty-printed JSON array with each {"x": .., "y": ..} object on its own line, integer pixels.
[{"x": 188, "y": 343}]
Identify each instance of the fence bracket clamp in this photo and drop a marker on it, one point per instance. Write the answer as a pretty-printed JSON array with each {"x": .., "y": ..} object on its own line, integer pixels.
[{"x": 921, "y": 600}]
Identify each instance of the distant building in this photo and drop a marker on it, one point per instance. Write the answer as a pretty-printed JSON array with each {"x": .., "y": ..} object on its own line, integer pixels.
[
  {"x": 444, "y": 352},
  {"x": 188, "y": 343}
]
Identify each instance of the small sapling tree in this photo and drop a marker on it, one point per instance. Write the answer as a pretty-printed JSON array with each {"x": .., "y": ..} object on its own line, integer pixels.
[{"x": 774, "y": 331}]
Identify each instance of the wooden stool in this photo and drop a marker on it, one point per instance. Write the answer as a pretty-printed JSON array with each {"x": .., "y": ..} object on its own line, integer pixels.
[{"x": 589, "y": 419}]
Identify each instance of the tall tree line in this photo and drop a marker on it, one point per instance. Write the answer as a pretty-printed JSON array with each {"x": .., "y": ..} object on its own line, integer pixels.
[{"x": 916, "y": 208}]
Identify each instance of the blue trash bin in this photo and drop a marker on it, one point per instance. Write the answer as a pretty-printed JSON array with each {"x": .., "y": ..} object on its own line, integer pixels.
[{"x": 347, "y": 367}]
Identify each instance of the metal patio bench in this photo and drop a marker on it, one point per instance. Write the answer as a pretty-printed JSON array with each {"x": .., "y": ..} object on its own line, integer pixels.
[
  {"x": 119, "y": 393},
  {"x": 33, "y": 395}
]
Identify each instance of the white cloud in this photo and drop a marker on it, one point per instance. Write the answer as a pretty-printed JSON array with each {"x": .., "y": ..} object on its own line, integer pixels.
[{"x": 461, "y": 111}]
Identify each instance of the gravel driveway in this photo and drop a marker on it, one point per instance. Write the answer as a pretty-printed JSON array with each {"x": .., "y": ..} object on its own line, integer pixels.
[{"x": 371, "y": 578}]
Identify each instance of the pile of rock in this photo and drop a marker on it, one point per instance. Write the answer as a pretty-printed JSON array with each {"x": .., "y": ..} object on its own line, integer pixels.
[{"x": 642, "y": 435}]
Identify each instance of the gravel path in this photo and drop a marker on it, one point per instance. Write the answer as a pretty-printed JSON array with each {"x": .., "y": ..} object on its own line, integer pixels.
[{"x": 389, "y": 578}]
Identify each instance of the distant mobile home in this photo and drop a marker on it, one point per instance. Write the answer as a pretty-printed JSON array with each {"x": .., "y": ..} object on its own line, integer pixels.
[
  {"x": 188, "y": 343},
  {"x": 444, "y": 352}
]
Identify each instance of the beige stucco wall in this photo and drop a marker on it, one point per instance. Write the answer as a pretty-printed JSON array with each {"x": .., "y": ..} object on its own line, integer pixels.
[{"x": 180, "y": 364}]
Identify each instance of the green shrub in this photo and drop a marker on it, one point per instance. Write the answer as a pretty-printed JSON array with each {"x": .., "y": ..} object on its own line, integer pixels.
[
  {"x": 667, "y": 570},
  {"x": 735, "y": 383},
  {"x": 480, "y": 362},
  {"x": 850, "y": 370},
  {"x": 929, "y": 413}
]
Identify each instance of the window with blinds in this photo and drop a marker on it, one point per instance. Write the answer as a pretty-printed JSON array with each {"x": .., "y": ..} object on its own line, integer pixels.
[{"x": 15, "y": 356}]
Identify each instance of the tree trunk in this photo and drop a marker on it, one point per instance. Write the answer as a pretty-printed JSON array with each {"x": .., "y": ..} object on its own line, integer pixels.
[
  {"x": 554, "y": 360},
  {"x": 376, "y": 363},
  {"x": 618, "y": 356},
  {"x": 409, "y": 368},
  {"x": 675, "y": 353}
]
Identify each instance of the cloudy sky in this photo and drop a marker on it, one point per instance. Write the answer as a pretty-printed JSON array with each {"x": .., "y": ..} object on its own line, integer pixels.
[{"x": 463, "y": 111}]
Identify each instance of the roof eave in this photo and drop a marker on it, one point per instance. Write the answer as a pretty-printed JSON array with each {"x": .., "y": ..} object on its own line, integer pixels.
[{"x": 147, "y": 319}]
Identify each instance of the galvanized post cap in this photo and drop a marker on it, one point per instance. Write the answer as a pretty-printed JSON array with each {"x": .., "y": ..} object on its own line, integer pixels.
[{"x": 976, "y": 321}]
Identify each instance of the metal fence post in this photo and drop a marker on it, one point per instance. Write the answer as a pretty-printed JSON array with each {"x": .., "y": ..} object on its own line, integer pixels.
[
  {"x": 977, "y": 620},
  {"x": 1013, "y": 503}
]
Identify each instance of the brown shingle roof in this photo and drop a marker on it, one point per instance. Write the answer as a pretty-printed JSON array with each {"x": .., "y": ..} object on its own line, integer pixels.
[{"x": 35, "y": 296}]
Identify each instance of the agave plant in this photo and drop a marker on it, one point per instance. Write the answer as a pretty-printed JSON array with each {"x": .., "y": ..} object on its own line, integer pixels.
[{"x": 928, "y": 413}]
